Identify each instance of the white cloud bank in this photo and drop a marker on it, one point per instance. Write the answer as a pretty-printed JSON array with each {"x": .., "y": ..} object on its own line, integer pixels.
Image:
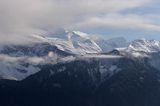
[{"x": 20, "y": 18}]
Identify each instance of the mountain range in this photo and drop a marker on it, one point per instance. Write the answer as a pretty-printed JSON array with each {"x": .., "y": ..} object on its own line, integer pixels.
[{"x": 70, "y": 68}]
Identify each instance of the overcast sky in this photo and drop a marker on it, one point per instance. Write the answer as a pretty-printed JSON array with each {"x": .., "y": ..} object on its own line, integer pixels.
[{"x": 131, "y": 19}]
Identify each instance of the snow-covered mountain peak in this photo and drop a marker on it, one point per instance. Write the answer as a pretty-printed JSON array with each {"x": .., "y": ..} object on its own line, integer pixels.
[
  {"x": 80, "y": 34},
  {"x": 74, "y": 42},
  {"x": 144, "y": 45},
  {"x": 140, "y": 48},
  {"x": 83, "y": 43}
]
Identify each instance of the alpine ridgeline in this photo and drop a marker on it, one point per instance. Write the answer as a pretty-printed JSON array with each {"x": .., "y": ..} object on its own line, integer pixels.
[{"x": 71, "y": 69}]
